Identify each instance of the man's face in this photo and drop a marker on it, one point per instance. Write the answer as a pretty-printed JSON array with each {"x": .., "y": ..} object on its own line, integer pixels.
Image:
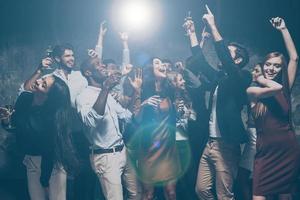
[
  {"x": 100, "y": 72},
  {"x": 67, "y": 59},
  {"x": 43, "y": 85},
  {"x": 272, "y": 67}
]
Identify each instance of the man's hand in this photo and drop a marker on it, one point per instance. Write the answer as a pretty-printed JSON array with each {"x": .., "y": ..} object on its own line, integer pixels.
[
  {"x": 46, "y": 63},
  {"x": 103, "y": 29},
  {"x": 209, "y": 17},
  {"x": 138, "y": 80},
  {"x": 278, "y": 23},
  {"x": 112, "y": 81}
]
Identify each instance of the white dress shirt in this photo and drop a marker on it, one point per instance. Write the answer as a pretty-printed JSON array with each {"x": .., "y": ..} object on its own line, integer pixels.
[
  {"x": 104, "y": 129},
  {"x": 75, "y": 81}
]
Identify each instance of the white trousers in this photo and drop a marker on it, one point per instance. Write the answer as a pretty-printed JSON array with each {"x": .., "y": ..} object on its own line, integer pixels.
[
  {"x": 111, "y": 168},
  {"x": 57, "y": 182}
]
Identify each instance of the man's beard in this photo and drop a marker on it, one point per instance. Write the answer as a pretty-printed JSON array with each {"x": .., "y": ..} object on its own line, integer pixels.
[{"x": 66, "y": 68}]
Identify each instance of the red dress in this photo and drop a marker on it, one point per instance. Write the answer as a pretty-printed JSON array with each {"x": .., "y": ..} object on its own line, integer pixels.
[{"x": 277, "y": 161}]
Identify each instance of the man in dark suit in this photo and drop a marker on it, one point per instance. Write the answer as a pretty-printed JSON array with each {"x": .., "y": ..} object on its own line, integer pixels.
[{"x": 219, "y": 162}]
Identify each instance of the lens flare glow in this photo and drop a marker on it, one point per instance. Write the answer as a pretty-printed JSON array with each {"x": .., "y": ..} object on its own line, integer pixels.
[{"x": 136, "y": 15}]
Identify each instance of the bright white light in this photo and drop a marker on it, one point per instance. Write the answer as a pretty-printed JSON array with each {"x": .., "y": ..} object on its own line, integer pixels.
[{"x": 135, "y": 14}]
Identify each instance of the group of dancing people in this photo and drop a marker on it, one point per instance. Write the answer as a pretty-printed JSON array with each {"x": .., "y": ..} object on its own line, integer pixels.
[{"x": 133, "y": 127}]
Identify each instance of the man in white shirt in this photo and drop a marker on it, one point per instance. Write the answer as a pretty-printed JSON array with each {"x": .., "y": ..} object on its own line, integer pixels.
[{"x": 100, "y": 112}]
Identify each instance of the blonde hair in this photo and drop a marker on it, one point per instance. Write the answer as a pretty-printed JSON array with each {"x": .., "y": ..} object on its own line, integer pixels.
[{"x": 260, "y": 108}]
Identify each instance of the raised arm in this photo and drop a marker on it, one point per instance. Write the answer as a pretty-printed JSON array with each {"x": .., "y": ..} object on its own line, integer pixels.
[
  {"x": 189, "y": 27},
  {"x": 108, "y": 84},
  {"x": 229, "y": 64},
  {"x": 99, "y": 46},
  {"x": 126, "y": 54},
  {"x": 280, "y": 25},
  {"x": 46, "y": 62},
  {"x": 210, "y": 19},
  {"x": 197, "y": 62}
]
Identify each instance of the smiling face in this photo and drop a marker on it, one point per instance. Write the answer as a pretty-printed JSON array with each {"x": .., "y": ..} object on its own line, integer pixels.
[
  {"x": 159, "y": 69},
  {"x": 43, "y": 85},
  {"x": 272, "y": 67},
  {"x": 67, "y": 59},
  {"x": 180, "y": 82}
]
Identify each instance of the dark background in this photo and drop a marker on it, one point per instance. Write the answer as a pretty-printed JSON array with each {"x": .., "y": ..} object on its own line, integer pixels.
[
  {"x": 28, "y": 27},
  {"x": 38, "y": 23}
]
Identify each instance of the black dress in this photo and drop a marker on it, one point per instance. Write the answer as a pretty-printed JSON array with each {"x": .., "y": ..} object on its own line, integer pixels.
[
  {"x": 34, "y": 135},
  {"x": 277, "y": 161}
]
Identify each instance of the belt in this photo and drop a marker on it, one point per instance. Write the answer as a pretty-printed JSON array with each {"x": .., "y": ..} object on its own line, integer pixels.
[{"x": 111, "y": 150}]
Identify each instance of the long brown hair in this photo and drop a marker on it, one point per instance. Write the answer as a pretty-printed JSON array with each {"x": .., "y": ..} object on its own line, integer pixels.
[{"x": 282, "y": 78}]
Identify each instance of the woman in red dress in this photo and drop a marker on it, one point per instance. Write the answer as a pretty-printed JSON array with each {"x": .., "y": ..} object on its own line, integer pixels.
[{"x": 277, "y": 161}]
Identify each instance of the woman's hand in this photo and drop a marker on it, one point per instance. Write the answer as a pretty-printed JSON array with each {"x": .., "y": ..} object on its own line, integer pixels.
[
  {"x": 278, "y": 23},
  {"x": 138, "y": 80},
  {"x": 153, "y": 101},
  {"x": 4, "y": 113}
]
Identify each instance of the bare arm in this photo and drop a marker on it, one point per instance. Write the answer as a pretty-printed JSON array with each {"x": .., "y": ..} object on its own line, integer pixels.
[
  {"x": 189, "y": 27},
  {"x": 108, "y": 84},
  {"x": 99, "y": 46},
  {"x": 210, "y": 19},
  {"x": 126, "y": 66},
  {"x": 270, "y": 88},
  {"x": 280, "y": 25}
]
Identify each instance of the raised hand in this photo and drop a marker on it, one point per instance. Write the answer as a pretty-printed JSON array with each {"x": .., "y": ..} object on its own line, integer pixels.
[
  {"x": 204, "y": 36},
  {"x": 103, "y": 29},
  {"x": 112, "y": 80},
  {"x": 189, "y": 26},
  {"x": 123, "y": 36},
  {"x": 46, "y": 63},
  {"x": 278, "y": 23},
  {"x": 138, "y": 80},
  {"x": 209, "y": 17},
  {"x": 92, "y": 53}
]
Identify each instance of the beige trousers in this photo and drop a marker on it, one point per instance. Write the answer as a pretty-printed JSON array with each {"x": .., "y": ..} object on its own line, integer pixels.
[{"x": 217, "y": 170}]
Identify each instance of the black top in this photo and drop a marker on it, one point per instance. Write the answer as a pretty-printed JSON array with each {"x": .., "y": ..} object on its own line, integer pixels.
[
  {"x": 232, "y": 83},
  {"x": 34, "y": 135}
]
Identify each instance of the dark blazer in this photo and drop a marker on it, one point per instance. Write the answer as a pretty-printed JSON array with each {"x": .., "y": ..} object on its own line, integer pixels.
[{"x": 232, "y": 83}]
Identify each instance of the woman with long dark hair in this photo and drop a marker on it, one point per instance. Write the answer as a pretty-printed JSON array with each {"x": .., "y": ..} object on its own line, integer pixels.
[
  {"x": 157, "y": 158},
  {"x": 43, "y": 136},
  {"x": 277, "y": 160}
]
